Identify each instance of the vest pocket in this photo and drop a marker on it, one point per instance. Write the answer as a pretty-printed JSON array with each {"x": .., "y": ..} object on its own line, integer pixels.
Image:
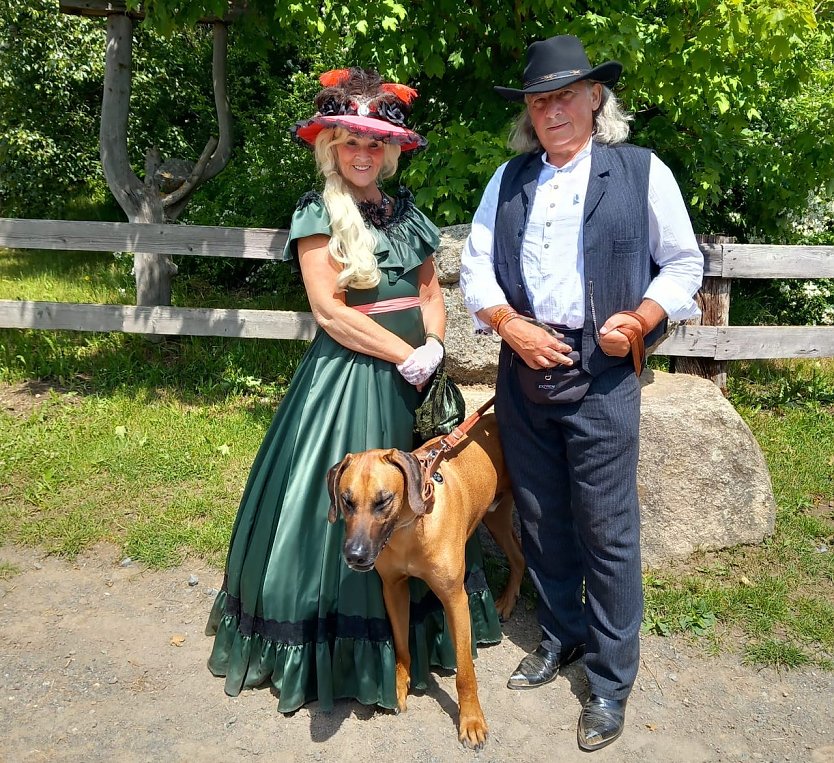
[{"x": 623, "y": 247}]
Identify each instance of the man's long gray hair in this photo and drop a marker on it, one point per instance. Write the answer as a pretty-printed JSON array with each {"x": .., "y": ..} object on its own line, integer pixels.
[{"x": 610, "y": 126}]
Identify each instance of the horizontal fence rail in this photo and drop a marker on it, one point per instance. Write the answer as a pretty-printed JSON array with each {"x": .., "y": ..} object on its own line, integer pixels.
[
  {"x": 202, "y": 240},
  {"x": 748, "y": 342},
  {"x": 131, "y": 319},
  {"x": 722, "y": 261}
]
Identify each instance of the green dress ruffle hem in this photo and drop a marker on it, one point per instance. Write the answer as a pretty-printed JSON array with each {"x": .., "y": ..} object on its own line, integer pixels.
[{"x": 290, "y": 612}]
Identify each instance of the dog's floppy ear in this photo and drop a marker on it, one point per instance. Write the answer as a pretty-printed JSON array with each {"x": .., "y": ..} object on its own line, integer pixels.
[
  {"x": 334, "y": 474},
  {"x": 412, "y": 471}
]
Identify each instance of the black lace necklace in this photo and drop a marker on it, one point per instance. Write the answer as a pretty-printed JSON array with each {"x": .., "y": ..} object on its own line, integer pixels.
[{"x": 377, "y": 213}]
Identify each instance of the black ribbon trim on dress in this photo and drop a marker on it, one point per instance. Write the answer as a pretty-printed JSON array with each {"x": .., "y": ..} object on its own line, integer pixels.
[{"x": 336, "y": 626}]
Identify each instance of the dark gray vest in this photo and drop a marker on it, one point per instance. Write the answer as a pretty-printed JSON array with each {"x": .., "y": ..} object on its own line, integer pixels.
[{"x": 618, "y": 264}]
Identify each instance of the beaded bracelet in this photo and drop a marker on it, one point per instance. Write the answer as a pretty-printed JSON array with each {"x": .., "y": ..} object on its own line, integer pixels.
[{"x": 501, "y": 313}]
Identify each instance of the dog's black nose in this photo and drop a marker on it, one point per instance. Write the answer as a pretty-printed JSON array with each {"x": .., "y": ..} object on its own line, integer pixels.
[{"x": 358, "y": 556}]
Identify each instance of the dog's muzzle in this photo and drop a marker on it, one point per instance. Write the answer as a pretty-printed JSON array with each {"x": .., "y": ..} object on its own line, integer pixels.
[{"x": 359, "y": 554}]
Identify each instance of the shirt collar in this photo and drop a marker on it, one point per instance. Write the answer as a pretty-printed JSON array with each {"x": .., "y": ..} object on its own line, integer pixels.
[{"x": 583, "y": 154}]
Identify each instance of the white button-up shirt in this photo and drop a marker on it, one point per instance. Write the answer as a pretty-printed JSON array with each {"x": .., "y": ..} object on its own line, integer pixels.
[{"x": 552, "y": 250}]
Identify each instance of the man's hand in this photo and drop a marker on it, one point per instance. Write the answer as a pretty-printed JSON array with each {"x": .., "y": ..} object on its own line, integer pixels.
[
  {"x": 614, "y": 342},
  {"x": 537, "y": 347}
]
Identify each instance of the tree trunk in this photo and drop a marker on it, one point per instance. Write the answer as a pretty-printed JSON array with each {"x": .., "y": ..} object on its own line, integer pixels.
[{"x": 141, "y": 202}]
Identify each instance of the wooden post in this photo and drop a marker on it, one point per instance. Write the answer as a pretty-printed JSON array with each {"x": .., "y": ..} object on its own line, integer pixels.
[{"x": 714, "y": 300}]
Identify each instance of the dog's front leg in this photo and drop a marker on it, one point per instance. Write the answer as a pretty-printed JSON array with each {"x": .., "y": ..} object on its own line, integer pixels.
[
  {"x": 472, "y": 728},
  {"x": 397, "y": 602}
]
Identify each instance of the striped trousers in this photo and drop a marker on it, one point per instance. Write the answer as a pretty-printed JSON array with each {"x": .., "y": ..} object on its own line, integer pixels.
[{"x": 574, "y": 472}]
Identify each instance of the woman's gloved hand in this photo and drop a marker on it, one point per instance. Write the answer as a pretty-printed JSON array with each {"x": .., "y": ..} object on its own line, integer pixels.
[{"x": 418, "y": 367}]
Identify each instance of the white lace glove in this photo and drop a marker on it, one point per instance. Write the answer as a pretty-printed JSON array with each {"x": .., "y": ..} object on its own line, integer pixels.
[{"x": 418, "y": 367}]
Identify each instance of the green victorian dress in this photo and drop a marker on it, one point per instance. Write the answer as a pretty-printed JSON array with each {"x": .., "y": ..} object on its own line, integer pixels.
[{"x": 290, "y": 612}]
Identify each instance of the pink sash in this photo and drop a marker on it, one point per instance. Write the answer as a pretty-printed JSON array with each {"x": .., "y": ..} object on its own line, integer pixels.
[{"x": 388, "y": 305}]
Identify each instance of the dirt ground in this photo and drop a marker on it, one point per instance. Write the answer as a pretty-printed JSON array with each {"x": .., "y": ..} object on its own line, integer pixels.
[{"x": 103, "y": 662}]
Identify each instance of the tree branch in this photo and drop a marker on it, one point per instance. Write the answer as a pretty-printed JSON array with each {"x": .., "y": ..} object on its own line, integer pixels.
[
  {"x": 115, "y": 107},
  {"x": 221, "y": 101},
  {"x": 194, "y": 179},
  {"x": 216, "y": 154}
]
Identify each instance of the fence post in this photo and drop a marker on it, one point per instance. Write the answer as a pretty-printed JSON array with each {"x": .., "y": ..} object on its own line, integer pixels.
[{"x": 714, "y": 300}]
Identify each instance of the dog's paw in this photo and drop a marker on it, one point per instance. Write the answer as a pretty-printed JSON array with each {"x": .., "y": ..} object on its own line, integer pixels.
[
  {"x": 473, "y": 732},
  {"x": 403, "y": 684},
  {"x": 505, "y": 604}
]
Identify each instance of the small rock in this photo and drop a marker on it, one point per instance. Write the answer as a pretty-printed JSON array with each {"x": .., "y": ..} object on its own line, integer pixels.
[
  {"x": 113, "y": 680},
  {"x": 210, "y": 592},
  {"x": 126, "y": 562},
  {"x": 673, "y": 677},
  {"x": 38, "y": 566},
  {"x": 823, "y": 549},
  {"x": 193, "y": 580}
]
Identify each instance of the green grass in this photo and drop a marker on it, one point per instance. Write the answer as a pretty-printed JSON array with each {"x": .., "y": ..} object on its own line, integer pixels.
[
  {"x": 776, "y": 599},
  {"x": 8, "y": 570},
  {"x": 148, "y": 446},
  {"x": 143, "y": 444}
]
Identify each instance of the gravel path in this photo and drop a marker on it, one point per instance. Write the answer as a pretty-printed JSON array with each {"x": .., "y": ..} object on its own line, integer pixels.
[{"x": 100, "y": 662}]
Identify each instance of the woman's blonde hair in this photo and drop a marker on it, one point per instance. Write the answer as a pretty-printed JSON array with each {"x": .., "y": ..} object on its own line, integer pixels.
[
  {"x": 352, "y": 243},
  {"x": 610, "y": 125}
]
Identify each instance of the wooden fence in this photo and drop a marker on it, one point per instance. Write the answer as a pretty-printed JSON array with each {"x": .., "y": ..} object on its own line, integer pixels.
[{"x": 723, "y": 261}]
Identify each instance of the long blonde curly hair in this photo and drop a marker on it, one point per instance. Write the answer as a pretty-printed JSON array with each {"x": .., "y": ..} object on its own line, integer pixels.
[{"x": 352, "y": 242}]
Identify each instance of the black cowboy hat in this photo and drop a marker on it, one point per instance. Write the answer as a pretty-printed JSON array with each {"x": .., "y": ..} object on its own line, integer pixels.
[{"x": 558, "y": 62}]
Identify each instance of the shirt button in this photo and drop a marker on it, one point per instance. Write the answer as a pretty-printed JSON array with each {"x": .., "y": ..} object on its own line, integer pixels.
[
  {"x": 547, "y": 224},
  {"x": 547, "y": 246},
  {"x": 552, "y": 205}
]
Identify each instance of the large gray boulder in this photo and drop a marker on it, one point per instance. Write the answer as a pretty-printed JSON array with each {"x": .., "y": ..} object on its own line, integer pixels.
[
  {"x": 702, "y": 479},
  {"x": 471, "y": 359}
]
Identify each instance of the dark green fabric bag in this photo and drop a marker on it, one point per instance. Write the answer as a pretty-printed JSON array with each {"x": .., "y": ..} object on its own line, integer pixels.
[{"x": 442, "y": 409}]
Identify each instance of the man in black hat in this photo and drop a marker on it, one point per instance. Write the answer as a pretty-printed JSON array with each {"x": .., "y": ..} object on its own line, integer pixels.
[{"x": 588, "y": 237}]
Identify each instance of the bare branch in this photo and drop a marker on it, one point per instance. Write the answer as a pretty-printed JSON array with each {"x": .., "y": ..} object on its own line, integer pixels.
[
  {"x": 115, "y": 107},
  {"x": 221, "y": 102},
  {"x": 216, "y": 154},
  {"x": 194, "y": 179}
]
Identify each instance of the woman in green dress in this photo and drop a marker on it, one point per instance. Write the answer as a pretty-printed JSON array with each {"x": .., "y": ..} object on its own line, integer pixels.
[{"x": 290, "y": 612}]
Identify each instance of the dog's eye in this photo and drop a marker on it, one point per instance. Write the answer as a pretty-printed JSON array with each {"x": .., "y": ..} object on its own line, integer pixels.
[
  {"x": 348, "y": 506},
  {"x": 383, "y": 503}
]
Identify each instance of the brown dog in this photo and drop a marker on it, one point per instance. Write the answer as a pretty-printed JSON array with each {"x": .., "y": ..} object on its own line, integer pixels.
[{"x": 391, "y": 526}]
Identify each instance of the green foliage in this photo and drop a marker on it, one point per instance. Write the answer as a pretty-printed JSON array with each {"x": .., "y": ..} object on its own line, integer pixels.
[
  {"x": 49, "y": 145},
  {"x": 783, "y": 303},
  {"x": 669, "y": 612},
  {"x": 766, "y": 386},
  {"x": 450, "y": 181},
  {"x": 737, "y": 96},
  {"x": 50, "y": 99}
]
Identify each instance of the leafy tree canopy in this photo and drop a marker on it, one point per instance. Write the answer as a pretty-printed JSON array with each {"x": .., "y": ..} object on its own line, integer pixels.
[{"x": 737, "y": 96}]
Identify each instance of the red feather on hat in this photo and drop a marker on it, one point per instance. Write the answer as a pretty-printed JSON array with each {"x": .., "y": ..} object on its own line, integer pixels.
[
  {"x": 405, "y": 93},
  {"x": 334, "y": 77}
]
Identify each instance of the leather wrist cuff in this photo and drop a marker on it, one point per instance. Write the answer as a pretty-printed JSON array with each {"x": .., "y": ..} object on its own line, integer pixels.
[{"x": 636, "y": 339}]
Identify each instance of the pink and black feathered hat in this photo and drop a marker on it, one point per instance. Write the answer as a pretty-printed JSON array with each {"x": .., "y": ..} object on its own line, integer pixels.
[{"x": 359, "y": 101}]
